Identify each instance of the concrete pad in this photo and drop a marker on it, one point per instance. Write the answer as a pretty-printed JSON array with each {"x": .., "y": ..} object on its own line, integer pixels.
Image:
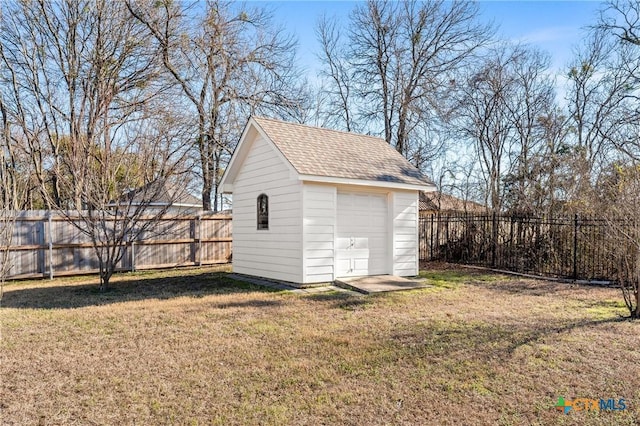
[
  {"x": 381, "y": 283},
  {"x": 263, "y": 282},
  {"x": 291, "y": 287}
]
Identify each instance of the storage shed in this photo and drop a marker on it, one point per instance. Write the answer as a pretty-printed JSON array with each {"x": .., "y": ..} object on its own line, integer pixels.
[{"x": 312, "y": 204}]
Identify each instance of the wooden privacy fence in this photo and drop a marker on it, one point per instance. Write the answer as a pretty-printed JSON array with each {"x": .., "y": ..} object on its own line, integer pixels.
[
  {"x": 46, "y": 245},
  {"x": 575, "y": 247}
]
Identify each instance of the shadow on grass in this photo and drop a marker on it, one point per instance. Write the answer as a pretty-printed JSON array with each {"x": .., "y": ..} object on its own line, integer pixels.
[
  {"x": 538, "y": 287},
  {"x": 538, "y": 334},
  {"x": 523, "y": 287},
  {"x": 77, "y": 296},
  {"x": 329, "y": 296},
  {"x": 341, "y": 300},
  {"x": 483, "y": 341}
]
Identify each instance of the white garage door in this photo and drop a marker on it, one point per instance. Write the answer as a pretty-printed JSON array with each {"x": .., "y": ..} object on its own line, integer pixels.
[{"x": 361, "y": 243}]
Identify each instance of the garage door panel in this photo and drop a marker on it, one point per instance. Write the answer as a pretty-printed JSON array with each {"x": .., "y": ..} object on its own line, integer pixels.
[
  {"x": 343, "y": 243},
  {"x": 379, "y": 202},
  {"x": 346, "y": 200},
  {"x": 378, "y": 222},
  {"x": 343, "y": 264},
  {"x": 360, "y": 199},
  {"x": 361, "y": 267},
  {"x": 361, "y": 243}
]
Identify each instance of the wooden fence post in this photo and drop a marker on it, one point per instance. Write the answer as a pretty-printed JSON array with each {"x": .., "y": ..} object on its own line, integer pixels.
[
  {"x": 199, "y": 239},
  {"x": 133, "y": 255}
]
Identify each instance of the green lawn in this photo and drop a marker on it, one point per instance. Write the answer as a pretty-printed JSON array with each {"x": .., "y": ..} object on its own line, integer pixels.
[{"x": 195, "y": 347}]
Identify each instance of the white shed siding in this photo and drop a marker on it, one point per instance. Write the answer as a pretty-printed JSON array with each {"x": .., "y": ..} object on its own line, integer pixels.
[
  {"x": 319, "y": 220},
  {"x": 274, "y": 253},
  {"x": 405, "y": 233}
]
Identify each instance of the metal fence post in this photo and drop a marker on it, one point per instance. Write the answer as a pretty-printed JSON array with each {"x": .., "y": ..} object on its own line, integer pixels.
[
  {"x": 575, "y": 247},
  {"x": 431, "y": 239},
  {"x": 494, "y": 236},
  {"x": 438, "y": 245}
]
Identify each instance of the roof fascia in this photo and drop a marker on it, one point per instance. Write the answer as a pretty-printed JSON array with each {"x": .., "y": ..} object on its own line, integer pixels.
[
  {"x": 364, "y": 182},
  {"x": 234, "y": 164}
]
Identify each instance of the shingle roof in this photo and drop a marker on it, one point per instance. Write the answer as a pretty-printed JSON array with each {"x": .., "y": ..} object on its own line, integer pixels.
[
  {"x": 323, "y": 152},
  {"x": 160, "y": 192},
  {"x": 433, "y": 201}
]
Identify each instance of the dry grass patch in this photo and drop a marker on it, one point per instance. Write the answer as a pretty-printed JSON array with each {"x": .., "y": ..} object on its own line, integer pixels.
[{"x": 194, "y": 347}]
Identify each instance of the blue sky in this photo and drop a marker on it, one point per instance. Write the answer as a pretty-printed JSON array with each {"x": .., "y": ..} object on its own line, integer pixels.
[{"x": 555, "y": 26}]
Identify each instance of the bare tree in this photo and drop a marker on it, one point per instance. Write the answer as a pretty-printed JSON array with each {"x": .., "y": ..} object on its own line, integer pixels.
[
  {"x": 12, "y": 192},
  {"x": 618, "y": 195},
  {"x": 608, "y": 117},
  {"x": 601, "y": 88},
  {"x": 552, "y": 166},
  {"x": 531, "y": 102},
  {"x": 621, "y": 18},
  {"x": 85, "y": 91},
  {"x": 484, "y": 119},
  {"x": 603, "y": 96},
  {"x": 122, "y": 185},
  {"x": 505, "y": 111},
  {"x": 228, "y": 62},
  {"x": 396, "y": 63},
  {"x": 339, "y": 110}
]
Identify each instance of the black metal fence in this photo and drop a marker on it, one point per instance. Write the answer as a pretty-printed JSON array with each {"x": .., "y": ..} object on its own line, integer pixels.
[{"x": 566, "y": 247}]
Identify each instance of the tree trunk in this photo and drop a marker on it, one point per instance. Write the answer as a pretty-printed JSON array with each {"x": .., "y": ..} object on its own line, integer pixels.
[
  {"x": 105, "y": 276},
  {"x": 106, "y": 271},
  {"x": 400, "y": 142},
  {"x": 206, "y": 193},
  {"x": 103, "y": 282},
  {"x": 216, "y": 173},
  {"x": 208, "y": 177}
]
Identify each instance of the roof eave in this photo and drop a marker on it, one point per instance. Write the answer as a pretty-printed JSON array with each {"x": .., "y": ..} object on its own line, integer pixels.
[
  {"x": 153, "y": 204},
  {"x": 225, "y": 188},
  {"x": 366, "y": 182}
]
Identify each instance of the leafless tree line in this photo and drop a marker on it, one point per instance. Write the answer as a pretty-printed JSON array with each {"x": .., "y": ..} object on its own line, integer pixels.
[{"x": 483, "y": 116}]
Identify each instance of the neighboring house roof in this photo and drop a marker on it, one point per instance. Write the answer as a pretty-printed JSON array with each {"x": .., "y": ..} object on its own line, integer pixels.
[
  {"x": 445, "y": 202},
  {"x": 325, "y": 155},
  {"x": 159, "y": 193}
]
